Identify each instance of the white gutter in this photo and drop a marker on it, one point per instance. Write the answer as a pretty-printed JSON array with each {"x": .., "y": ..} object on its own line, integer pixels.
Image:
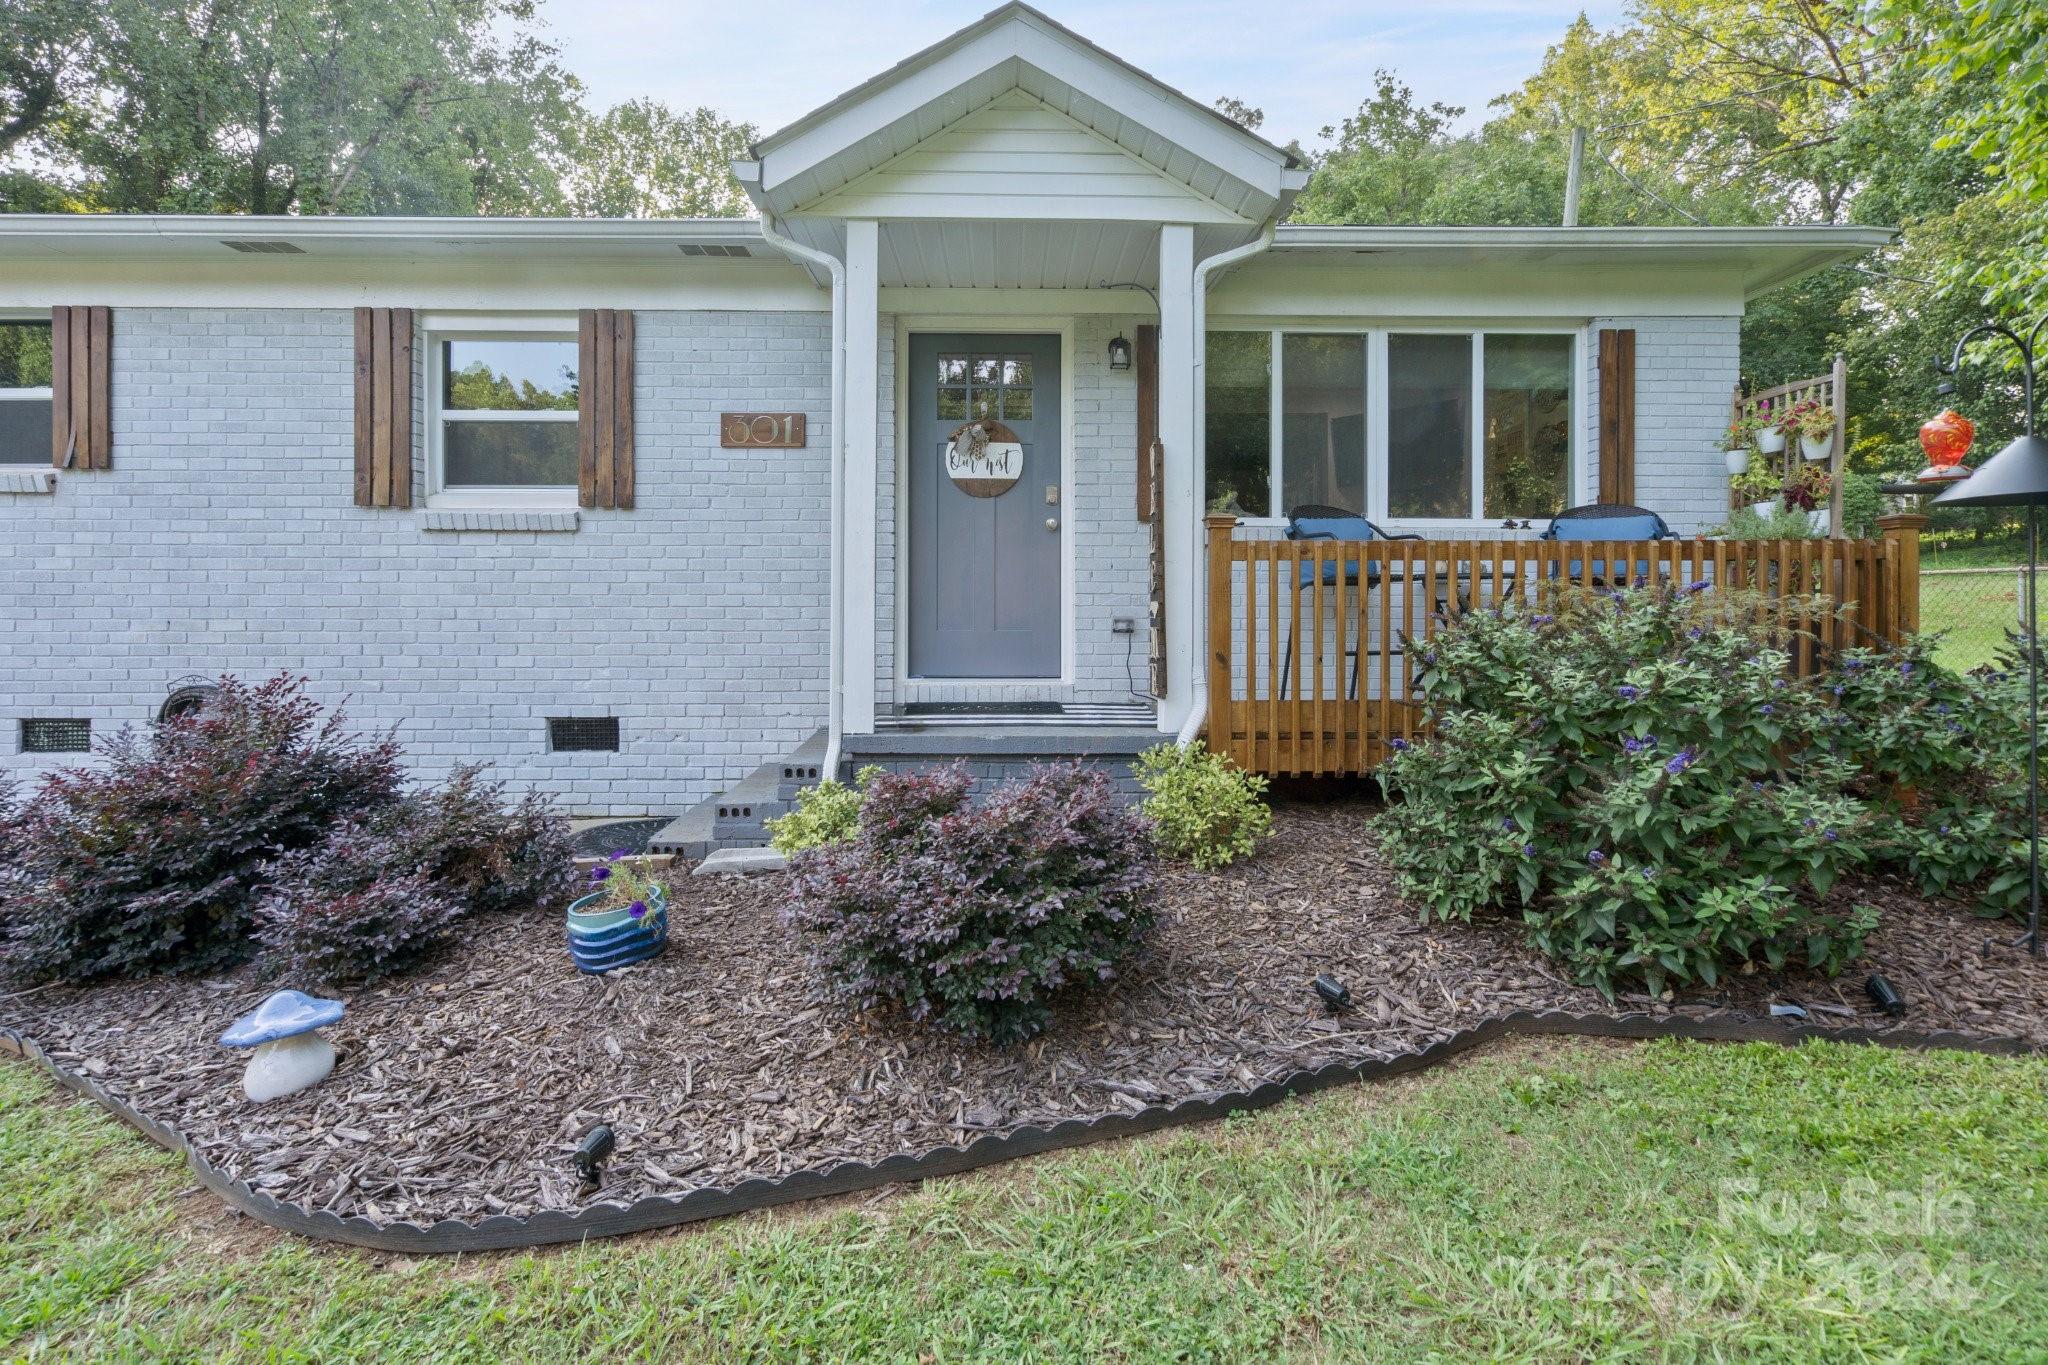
[
  {"x": 835, "y": 703},
  {"x": 1198, "y": 713}
]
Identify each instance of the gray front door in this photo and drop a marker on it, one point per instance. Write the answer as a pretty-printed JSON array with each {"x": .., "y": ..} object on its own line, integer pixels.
[{"x": 984, "y": 580}]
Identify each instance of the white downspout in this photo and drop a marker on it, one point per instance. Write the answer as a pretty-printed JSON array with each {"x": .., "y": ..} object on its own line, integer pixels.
[
  {"x": 835, "y": 703},
  {"x": 1198, "y": 713}
]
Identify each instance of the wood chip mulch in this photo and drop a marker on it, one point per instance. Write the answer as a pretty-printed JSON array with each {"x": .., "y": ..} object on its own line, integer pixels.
[{"x": 462, "y": 1089}]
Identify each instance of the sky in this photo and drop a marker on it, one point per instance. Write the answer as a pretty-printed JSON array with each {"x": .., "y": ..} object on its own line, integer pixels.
[{"x": 1307, "y": 63}]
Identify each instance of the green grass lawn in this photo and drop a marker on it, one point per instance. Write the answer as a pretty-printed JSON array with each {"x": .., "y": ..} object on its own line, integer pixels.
[
  {"x": 1973, "y": 611},
  {"x": 1552, "y": 1201}
]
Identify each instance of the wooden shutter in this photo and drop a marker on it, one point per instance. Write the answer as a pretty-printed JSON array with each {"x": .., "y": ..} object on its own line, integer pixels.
[
  {"x": 383, "y": 407},
  {"x": 604, "y": 407},
  {"x": 1145, "y": 356},
  {"x": 1617, "y": 415},
  {"x": 81, "y": 367}
]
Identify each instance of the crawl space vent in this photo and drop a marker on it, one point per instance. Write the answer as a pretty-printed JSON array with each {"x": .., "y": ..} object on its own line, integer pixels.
[
  {"x": 56, "y": 735},
  {"x": 694, "y": 249},
  {"x": 583, "y": 734},
  {"x": 265, "y": 248}
]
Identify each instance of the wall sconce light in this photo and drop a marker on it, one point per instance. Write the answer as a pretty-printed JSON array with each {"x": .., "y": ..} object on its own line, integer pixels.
[{"x": 1119, "y": 353}]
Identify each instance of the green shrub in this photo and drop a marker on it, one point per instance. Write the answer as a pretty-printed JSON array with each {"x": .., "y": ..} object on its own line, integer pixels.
[
  {"x": 1636, "y": 773},
  {"x": 828, "y": 813},
  {"x": 1779, "y": 522},
  {"x": 1203, "y": 807}
]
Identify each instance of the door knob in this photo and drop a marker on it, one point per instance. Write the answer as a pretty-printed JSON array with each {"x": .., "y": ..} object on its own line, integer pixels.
[{"x": 1052, "y": 523}]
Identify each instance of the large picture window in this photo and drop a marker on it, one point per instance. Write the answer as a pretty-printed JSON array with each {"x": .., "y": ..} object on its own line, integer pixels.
[
  {"x": 24, "y": 391},
  {"x": 1403, "y": 425},
  {"x": 505, "y": 416}
]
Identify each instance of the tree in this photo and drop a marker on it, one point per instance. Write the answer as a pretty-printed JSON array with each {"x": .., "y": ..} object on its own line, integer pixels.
[
  {"x": 310, "y": 106},
  {"x": 1240, "y": 113},
  {"x": 1994, "y": 54},
  {"x": 644, "y": 160}
]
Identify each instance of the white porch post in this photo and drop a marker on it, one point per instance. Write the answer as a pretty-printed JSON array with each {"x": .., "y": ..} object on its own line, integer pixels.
[
  {"x": 863, "y": 420},
  {"x": 1181, "y": 500}
]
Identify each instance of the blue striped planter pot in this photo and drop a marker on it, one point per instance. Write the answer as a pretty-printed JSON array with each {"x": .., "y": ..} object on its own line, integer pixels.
[{"x": 600, "y": 941}]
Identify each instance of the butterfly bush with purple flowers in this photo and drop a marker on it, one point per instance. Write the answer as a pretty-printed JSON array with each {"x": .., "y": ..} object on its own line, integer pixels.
[
  {"x": 974, "y": 916},
  {"x": 1634, "y": 774}
]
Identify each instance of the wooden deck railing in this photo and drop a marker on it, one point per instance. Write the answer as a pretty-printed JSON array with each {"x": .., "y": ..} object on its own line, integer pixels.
[{"x": 1307, "y": 674}]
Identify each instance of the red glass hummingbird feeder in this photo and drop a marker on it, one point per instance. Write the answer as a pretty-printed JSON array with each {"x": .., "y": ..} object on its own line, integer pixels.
[{"x": 1946, "y": 439}]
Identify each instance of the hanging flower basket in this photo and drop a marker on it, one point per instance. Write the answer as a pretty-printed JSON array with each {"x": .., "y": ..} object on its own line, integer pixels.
[
  {"x": 1770, "y": 441},
  {"x": 1817, "y": 448},
  {"x": 1738, "y": 462}
]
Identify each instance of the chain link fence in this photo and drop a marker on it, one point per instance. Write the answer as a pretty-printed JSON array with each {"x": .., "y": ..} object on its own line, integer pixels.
[{"x": 1973, "y": 610}]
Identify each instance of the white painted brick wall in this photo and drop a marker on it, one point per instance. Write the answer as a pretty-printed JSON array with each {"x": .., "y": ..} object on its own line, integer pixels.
[
  {"x": 1686, "y": 368},
  {"x": 224, "y": 539}
]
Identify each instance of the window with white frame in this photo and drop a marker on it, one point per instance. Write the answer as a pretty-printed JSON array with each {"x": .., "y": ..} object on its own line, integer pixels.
[
  {"x": 24, "y": 391},
  {"x": 1404, "y": 425},
  {"x": 503, "y": 416}
]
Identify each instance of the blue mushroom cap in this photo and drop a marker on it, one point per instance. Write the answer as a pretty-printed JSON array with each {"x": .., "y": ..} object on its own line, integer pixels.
[{"x": 283, "y": 1015}]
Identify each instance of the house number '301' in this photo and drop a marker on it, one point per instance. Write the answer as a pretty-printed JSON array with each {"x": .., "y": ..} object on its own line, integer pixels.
[{"x": 764, "y": 430}]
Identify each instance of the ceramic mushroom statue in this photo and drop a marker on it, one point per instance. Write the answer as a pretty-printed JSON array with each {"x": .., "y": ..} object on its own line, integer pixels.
[{"x": 289, "y": 1055}]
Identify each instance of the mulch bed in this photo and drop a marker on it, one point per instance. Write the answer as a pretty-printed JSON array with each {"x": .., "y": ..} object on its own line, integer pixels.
[{"x": 462, "y": 1089}]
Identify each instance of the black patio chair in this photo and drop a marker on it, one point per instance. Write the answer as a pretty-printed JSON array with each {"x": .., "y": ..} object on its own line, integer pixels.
[
  {"x": 1604, "y": 521},
  {"x": 1319, "y": 521}
]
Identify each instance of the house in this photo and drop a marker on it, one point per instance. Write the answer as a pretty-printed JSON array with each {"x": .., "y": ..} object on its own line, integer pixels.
[{"x": 663, "y": 514}]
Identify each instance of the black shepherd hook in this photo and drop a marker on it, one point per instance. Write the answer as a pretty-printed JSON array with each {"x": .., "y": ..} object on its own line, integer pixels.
[{"x": 2028, "y": 347}]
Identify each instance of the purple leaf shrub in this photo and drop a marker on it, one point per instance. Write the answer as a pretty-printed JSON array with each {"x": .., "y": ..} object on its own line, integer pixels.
[
  {"x": 973, "y": 916},
  {"x": 149, "y": 860}
]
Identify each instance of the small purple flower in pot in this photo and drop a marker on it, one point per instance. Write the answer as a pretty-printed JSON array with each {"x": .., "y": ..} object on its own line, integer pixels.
[
  {"x": 638, "y": 909},
  {"x": 598, "y": 874}
]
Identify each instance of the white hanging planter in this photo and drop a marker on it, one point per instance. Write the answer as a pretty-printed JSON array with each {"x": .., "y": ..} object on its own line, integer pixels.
[
  {"x": 1738, "y": 462},
  {"x": 1816, "y": 449},
  {"x": 1770, "y": 441}
]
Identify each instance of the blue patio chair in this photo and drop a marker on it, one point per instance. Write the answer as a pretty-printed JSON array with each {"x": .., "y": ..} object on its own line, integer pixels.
[
  {"x": 1605, "y": 521},
  {"x": 1316, "y": 521}
]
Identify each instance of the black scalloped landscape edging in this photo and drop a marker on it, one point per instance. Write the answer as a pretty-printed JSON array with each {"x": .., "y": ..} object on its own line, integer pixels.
[{"x": 500, "y": 1232}]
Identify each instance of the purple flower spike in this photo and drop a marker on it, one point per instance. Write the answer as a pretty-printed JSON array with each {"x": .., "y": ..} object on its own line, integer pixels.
[
  {"x": 1399, "y": 746},
  {"x": 1682, "y": 760},
  {"x": 1628, "y": 693},
  {"x": 1528, "y": 850},
  {"x": 1768, "y": 708},
  {"x": 1830, "y": 836},
  {"x": 1596, "y": 857},
  {"x": 1507, "y": 823},
  {"x": 1698, "y": 585}
]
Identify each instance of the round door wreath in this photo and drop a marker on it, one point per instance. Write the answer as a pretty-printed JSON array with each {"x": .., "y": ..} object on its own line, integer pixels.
[{"x": 984, "y": 458}]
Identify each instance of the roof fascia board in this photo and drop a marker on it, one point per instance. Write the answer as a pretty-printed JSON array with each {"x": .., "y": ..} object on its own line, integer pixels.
[{"x": 174, "y": 229}]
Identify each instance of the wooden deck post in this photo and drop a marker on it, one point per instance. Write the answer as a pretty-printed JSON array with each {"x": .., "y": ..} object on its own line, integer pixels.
[
  {"x": 1902, "y": 547},
  {"x": 1216, "y": 587},
  {"x": 1838, "y": 463}
]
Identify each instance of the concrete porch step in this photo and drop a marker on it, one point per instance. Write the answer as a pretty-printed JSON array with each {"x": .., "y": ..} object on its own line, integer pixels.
[
  {"x": 998, "y": 753},
  {"x": 736, "y": 818}
]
